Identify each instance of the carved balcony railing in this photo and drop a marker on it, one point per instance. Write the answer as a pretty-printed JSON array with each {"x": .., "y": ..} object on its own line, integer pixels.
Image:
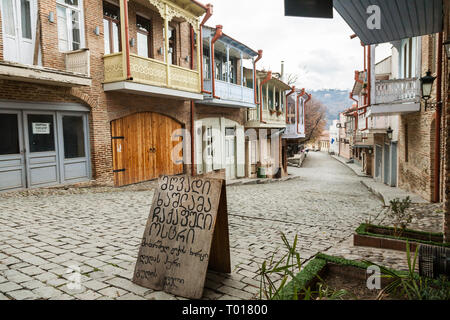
[
  {"x": 231, "y": 91},
  {"x": 152, "y": 72},
  {"x": 397, "y": 91},
  {"x": 78, "y": 61},
  {"x": 364, "y": 139},
  {"x": 278, "y": 118},
  {"x": 252, "y": 115}
]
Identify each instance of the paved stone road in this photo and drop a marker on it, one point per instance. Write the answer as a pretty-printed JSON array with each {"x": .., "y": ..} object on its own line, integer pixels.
[{"x": 44, "y": 237}]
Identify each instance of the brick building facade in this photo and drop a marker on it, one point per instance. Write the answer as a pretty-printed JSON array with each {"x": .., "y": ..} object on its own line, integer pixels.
[{"x": 107, "y": 106}]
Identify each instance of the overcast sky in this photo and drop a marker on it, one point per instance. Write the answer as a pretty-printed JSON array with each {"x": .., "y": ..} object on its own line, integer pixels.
[{"x": 320, "y": 51}]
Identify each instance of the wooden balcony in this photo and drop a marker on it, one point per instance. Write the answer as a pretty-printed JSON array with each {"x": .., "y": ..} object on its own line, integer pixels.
[
  {"x": 397, "y": 96},
  {"x": 153, "y": 73},
  {"x": 78, "y": 61},
  {"x": 271, "y": 119},
  {"x": 294, "y": 131},
  {"x": 397, "y": 91},
  {"x": 231, "y": 94},
  {"x": 364, "y": 140}
]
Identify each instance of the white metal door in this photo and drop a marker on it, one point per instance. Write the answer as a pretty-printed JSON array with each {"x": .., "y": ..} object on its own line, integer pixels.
[
  {"x": 230, "y": 156},
  {"x": 73, "y": 146},
  {"x": 12, "y": 160},
  {"x": 41, "y": 148},
  {"x": 19, "y": 30}
]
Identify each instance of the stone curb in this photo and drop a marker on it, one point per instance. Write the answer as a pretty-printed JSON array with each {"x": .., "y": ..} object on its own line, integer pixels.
[
  {"x": 262, "y": 181},
  {"x": 359, "y": 174}
]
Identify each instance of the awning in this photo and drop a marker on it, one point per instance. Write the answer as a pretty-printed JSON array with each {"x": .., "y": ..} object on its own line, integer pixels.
[{"x": 399, "y": 19}]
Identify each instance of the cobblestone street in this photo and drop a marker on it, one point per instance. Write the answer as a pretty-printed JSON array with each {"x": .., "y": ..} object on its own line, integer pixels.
[{"x": 41, "y": 236}]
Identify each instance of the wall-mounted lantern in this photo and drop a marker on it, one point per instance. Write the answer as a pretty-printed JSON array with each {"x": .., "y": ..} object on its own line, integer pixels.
[
  {"x": 389, "y": 133},
  {"x": 426, "y": 84},
  {"x": 97, "y": 30},
  {"x": 132, "y": 42},
  {"x": 51, "y": 17}
]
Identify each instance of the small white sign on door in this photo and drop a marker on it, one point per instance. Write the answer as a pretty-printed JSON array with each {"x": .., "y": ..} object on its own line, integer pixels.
[{"x": 41, "y": 128}]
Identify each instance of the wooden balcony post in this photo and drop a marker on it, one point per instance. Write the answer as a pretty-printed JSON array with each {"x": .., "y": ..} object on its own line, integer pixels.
[
  {"x": 166, "y": 44},
  {"x": 242, "y": 69},
  {"x": 228, "y": 63},
  {"x": 267, "y": 96},
  {"x": 125, "y": 36},
  {"x": 280, "y": 98},
  {"x": 274, "y": 99}
]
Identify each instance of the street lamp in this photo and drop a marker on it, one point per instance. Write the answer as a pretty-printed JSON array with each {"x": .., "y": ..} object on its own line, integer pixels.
[
  {"x": 389, "y": 133},
  {"x": 426, "y": 84},
  {"x": 447, "y": 48}
]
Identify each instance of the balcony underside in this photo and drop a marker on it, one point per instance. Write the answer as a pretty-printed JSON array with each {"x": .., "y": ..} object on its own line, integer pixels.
[
  {"x": 294, "y": 136},
  {"x": 41, "y": 75},
  {"x": 361, "y": 145},
  {"x": 149, "y": 90},
  {"x": 227, "y": 103},
  {"x": 151, "y": 77},
  {"x": 394, "y": 109},
  {"x": 261, "y": 125}
]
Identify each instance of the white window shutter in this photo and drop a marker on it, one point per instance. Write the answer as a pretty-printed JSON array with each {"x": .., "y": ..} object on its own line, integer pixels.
[
  {"x": 240, "y": 151},
  {"x": 217, "y": 148},
  {"x": 199, "y": 146}
]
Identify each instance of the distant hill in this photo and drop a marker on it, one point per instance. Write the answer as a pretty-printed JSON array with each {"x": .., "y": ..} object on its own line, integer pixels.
[{"x": 334, "y": 100}]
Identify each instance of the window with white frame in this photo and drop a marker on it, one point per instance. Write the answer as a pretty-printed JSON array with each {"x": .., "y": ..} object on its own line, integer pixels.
[
  {"x": 209, "y": 142},
  {"x": 70, "y": 26}
]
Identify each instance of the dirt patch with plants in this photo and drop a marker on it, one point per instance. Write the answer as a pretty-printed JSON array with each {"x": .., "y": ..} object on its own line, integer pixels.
[{"x": 334, "y": 278}]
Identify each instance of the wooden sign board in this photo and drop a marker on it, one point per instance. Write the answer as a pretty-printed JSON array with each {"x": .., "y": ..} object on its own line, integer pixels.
[{"x": 187, "y": 228}]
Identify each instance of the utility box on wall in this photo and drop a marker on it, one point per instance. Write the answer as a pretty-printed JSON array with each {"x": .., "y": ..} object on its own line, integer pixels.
[{"x": 309, "y": 8}]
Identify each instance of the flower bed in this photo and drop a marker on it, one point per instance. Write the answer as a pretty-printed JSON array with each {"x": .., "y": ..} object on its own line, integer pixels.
[
  {"x": 338, "y": 273},
  {"x": 368, "y": 235}
]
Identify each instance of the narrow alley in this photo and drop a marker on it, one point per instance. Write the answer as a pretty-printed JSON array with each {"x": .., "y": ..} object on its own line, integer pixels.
[{"x": 43, "y": 235}]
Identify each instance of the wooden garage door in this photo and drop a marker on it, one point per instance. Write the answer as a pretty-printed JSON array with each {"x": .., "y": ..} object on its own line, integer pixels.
[{"x": 142, "y": 148}]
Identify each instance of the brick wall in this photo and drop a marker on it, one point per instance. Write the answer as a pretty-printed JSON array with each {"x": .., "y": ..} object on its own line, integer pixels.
[
  {"x": 415, "y": 172},
  {"x": 446, "y": 115},
  {"x": 206, "y": 111}
]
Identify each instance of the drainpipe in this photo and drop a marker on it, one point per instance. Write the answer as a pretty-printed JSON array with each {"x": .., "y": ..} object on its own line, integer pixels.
[
  {"x": 217, "y": 36},
  {"x": 351, "y": 97},
  {"x": 260, "y": 53},
  {"x": 369, "y": 77},
  {"x": 267, "y": 79},
  {"x": 437, "y": 114},
  {"x": 127, "y": 39},
  {"x": 292, "y": 91},
  {"x": 192, "y": 138},
  {"x": 209, "y": 13}
]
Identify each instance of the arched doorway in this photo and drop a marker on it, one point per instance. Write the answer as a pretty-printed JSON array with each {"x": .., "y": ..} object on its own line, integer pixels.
[{"x": 142, "y": 148}]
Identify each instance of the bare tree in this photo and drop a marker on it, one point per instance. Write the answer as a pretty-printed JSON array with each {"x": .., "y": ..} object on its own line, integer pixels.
[
  {"x": 291, "y": 79},
  {"x": 315, "y": 114}
]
